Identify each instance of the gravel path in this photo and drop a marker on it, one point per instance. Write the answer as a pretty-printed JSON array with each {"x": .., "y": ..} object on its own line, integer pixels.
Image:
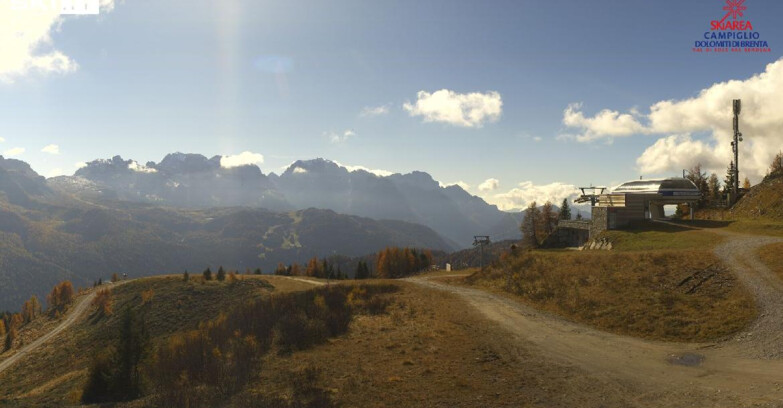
[
  {"x": 745, "y": 370},
  {"x": 76, "y": 313},
  {"x": 764, "y": 339}
]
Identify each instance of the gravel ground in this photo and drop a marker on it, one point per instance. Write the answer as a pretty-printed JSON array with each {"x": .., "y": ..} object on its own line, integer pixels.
[{"x": 764, "y": 339}]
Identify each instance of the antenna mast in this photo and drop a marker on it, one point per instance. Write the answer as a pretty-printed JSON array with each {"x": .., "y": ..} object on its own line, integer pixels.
[{"x": 737, "y": 107}]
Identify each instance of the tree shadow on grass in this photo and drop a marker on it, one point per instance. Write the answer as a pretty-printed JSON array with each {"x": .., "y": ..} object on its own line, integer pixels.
[{"x": 674, "y": 226}]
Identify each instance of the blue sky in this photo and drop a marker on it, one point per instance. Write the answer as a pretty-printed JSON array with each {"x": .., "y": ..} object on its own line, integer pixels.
[{"x": 295, "y": 80}]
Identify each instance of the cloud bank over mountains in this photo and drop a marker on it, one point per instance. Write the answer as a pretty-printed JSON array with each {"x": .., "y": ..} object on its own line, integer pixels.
[{"x": 698, "y": 129}]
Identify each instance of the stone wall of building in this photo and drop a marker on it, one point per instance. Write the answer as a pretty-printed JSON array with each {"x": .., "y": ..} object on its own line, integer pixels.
[
  {"x": 600, "y": 221},
  {"x": 573, "y": 233}
]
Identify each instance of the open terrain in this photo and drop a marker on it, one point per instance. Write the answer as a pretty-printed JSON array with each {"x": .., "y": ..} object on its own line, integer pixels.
[{"x": 447, "y": 343}]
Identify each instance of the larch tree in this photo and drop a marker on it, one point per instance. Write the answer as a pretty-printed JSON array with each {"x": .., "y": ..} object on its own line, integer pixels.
[
  {"x": 548, "y": 219},
  {"x": 776, "y": 167},
  {"x": 699, "y": 178},
  {"x": 529, "y": 226},
  {"x": 746, "y": 184},
  {"x": 713, "y": 183},
  {"x": 281, "y": 269}
]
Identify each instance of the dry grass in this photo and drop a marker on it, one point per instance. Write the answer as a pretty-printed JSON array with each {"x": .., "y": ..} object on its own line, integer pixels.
[
  {"x": 648, "y": 236},
  {"x": 665, "y": 295},
  {"x": 175, "y": 306},
  {"x": 431, "y": 349},
  {"x": 772, "y": 256},
  {"x": 757, "y": 227}
]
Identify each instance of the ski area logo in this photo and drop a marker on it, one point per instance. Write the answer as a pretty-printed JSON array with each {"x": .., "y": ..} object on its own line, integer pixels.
[{"x": 732, "y": 33}]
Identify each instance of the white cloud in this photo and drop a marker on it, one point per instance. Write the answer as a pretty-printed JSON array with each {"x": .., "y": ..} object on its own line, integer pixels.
[
  {"x": 338, "y": 138},
  {"x": 526, "y": 192},
  {"x": 370, "y": 111},
  {"x": 605, "y": 124},
  {"x": 489, "y": 185},
  {"x": 299, "y": 170},
  {"x": 377, "y": 172},
  {"x": 463, "y": 185},
  {"x": 678, "y": 152},
  {"x": 16, "y": 151},
  {"x": 26, "y": 42},
  {"x": 140, "y": 168},
  {"x": 51, "y": 149},
  {"x": 710, "y": 113},
  {"x": 537, "y": 138},
  {"x": 242, "y": 159},
  {"x": 80, "y": 165},
  {"x": 466, "y": 110}
]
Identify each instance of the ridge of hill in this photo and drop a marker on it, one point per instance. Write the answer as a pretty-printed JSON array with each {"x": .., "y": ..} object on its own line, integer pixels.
[
  {"x": 764, "y": 200},
  {"x": 47, "y": 236}
]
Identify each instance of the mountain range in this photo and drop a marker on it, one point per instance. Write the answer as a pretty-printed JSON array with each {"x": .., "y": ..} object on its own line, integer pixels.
[
  {"x": 189, "y": 212},
  {"x": 195, "y": 181}
]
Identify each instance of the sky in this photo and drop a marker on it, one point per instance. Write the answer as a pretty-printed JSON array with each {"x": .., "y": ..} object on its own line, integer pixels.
[{"x": 513, "y": 100}]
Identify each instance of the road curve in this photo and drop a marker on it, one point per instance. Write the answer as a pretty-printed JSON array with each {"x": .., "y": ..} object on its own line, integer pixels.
[
  {"x": 732, "y": 373},
  {"x": 78, "y": 311}
]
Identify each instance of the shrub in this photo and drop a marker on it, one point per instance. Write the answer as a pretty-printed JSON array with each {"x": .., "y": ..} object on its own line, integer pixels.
[
  {"x": 103, "y": 301},
  {"x": 223, "y": 353}
]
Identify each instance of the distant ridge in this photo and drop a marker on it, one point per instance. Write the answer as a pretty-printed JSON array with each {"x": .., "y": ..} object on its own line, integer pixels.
[{"x": 195, "y": 181}]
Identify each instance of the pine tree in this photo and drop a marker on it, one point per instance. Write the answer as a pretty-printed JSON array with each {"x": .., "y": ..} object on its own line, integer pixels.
[
  {"x": 133, "y": 349},
  {"x": 186, "y": 276},
  {"x": 728, "y": 182},
  {"x": 116, "y": 374},
  {"x": 362, "y": 271},
  {"x": 565, "y": 210},
  {"x": 207, "y": 274},
  {"x": 257, "y": 271},
  {"x": 221, "y": 274},
  {"x": 9, "y": 338}
]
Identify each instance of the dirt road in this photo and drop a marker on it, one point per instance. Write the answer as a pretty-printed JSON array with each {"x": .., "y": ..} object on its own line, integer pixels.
[
  {"x": 742, "y": 371},
  {"x": 78, "y": 311}
]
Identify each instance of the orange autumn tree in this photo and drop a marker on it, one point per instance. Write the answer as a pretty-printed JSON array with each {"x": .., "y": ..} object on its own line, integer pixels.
[
  {"x": 61, "y": 296},
  {"x": 394, "y": 262}
]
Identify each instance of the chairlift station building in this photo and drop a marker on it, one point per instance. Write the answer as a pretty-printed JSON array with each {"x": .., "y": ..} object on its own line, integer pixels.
[{"x": 640, "y": 200}]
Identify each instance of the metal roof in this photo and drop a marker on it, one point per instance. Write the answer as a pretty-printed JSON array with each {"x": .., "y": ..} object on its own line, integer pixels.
[{"x": 667, "y": 187}]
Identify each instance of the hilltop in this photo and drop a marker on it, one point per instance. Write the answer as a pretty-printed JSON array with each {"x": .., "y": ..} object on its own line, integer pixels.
[{"x": 47, "y": 235}]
